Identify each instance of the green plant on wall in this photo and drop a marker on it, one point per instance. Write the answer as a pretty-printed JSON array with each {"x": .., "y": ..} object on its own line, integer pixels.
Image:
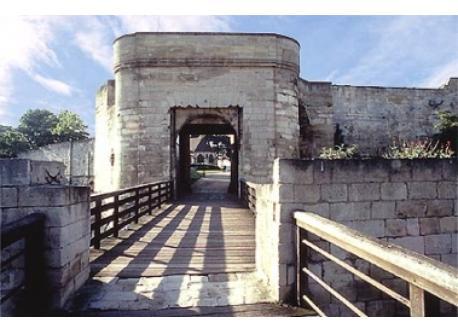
[
  {"x": 426, "y": 148},
  {"x": 447, "y": 125},
  {"x": 339, "y": 152}
]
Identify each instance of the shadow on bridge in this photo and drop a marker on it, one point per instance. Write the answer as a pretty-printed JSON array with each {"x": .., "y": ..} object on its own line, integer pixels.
[{"x": 176, "y": 250}]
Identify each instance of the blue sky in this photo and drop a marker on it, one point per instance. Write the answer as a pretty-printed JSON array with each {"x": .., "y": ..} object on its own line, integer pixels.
[{"x": 58, "y": 62}]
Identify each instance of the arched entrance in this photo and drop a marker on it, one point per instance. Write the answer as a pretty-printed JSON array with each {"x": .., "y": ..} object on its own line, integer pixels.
[{"x": 194, "y": 122}]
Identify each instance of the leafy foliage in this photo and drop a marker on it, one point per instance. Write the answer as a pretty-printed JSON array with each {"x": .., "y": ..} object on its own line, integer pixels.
[
  {"x": 339, "y": 152},
  {"x": 69, "y": 127},
  {"x": 418, "y": 149},
  {"x": 448, "y": 127},
  {"x": 12, "y": 142},
  {"x": 37, "y": 126}
]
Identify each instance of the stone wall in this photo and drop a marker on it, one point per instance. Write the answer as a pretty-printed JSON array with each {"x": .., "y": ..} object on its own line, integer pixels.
[
  {"x": 411, "y": 203},
  {"x": 26, "y": 188},
  {"x": 106, "y": 146},
  {"x": 370, "y": 117},
  {"x": 281, "y": 115},
  {"x": 253, "y": 72},
  {"x": 78, "y": 158}
]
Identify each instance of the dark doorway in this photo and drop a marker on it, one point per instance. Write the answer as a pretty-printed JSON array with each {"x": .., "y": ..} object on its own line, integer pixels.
[{"x": 214, "y": 180}]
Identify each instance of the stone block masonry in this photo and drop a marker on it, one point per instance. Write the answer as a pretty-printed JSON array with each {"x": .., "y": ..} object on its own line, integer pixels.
[
  {"x": 26, "y": 187},
  {"x": 411, "y": 203},
  {"x": 77, "y": 157}
]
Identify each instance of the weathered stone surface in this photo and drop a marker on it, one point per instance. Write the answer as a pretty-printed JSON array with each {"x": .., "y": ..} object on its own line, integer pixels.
[
  {"x": 350, "y": 211},
  {"x": 411, "y": 208},
  {"x": 449, "y": 224},
  {"x": 440, "y": 208},
  {"x": 364, "y": 192},
  {"x": 422, "y": 190},
  {"x": 173, "y": 291},
  {"x": 372, "y": 227},
  {"x": 447, "y": 190},
  {"x": 8, "y": 197},
  {"x": 383, "y": 209},
  {"x": 334, "y": 192},
  {"x": 413, "y": 243},
  {"x": 426, "y": 171},
  {"x": 395, "y": 228},
  {"x": 429, "y": 225},
  {"x": 15, "y": 172},
  {"x": 394, "y": 191},
  {"x": 335, "y": 273},
  {"x": 306, "y": 193},
  {"x": 438, "y": 244},
  {"x": 321, "y": 209}
]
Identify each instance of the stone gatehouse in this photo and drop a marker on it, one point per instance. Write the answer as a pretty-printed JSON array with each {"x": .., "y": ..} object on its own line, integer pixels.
[{"x": 168, "y": 86}]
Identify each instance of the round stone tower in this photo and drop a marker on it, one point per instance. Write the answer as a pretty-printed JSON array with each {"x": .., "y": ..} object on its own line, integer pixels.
[{"x": 168, "y": 82}]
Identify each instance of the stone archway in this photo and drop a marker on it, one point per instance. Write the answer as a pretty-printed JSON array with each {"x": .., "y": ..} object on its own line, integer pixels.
[{"x": 202, "y": 121}]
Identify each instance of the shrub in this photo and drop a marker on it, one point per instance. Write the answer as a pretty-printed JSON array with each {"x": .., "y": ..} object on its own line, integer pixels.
[
  {"x": 448, "y": 126},
  {"x": 426, "y": 148},
  {"x": 339, "y": 152}
]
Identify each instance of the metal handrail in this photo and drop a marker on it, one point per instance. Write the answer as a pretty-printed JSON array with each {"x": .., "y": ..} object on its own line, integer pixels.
[{"x": 421, "y": 272}]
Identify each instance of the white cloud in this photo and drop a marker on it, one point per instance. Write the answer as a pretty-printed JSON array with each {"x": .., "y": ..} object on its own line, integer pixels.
[
  {"x": 407, "y": 44},
  {"x": 24, "y": 44},
  {"x": 94, "y": 38},
  {"x": 96, "y": 34},
  {"x": 53, "y": 85},
  {"x": 441, "y": 75},
  {"x": 131, "y": 24}
]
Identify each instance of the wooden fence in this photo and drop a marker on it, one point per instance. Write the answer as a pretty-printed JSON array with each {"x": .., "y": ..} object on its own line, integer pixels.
[
  {"x": 420, "y": 272},
  {"x": 112, "y": 211}
]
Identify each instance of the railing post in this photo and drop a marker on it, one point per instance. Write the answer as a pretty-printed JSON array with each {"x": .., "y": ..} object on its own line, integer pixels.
[
  {"x": 137, "y": 192},
  {"x": 170, "y": 185},
  {"x": 417, "y": 301},
  {"x": 150, "y": 206},
  {"x": 159, "y": 193},
  {"x": 115, "y": 216},
  {"x": 97, "y": 218},
  {"x": 298, "y": 267},
  {"x": 301, "y": 262}
]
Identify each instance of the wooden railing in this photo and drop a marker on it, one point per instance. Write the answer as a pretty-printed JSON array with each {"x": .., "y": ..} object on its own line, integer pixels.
[
  {"x": 248, "y": 195},
  {"x": 29, "y": 229},
  {"x": 423, "y": 274},
  {"x": 112, "y": 211}
]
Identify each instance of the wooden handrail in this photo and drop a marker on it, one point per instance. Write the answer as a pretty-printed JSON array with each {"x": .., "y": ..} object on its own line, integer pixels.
[
  {"x": 116, "y": 209},
  {"x": 421, "y": 272}
]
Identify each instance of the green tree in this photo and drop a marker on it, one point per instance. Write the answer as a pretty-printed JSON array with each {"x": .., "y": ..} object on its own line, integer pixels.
[
  {"x": 37, "y": 126},
  {"x": 12, "y": 142},
  {"x": 69, "y": 126},
  {"x": 4, "y": 128}
]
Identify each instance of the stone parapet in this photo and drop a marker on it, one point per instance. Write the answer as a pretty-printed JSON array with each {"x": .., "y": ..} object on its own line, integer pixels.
[
  {"x": 395, "y": 200},
  {"x": 28, "y": 187}
]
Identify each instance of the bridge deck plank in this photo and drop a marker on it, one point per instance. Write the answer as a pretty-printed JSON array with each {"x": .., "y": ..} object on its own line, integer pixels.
[{"x": 181, "y": 238}]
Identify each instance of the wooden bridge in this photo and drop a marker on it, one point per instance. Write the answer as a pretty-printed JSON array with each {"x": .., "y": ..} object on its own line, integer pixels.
[
  {"x": 152, "y": 256},
  {"x": 192, "y": 253}
]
